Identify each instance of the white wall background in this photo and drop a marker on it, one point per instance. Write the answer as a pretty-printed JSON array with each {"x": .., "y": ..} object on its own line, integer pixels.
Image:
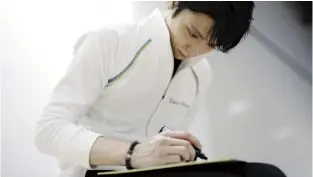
[
  {"x": 279, "y": 22},
  {"x": 259, "y": 108},
  {"x": 36, "y": 42}
]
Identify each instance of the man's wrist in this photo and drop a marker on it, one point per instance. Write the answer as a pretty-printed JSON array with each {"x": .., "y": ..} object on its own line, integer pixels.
[
  {"x": 122, "y": 153},
  {"x": 109, "y": 152}
]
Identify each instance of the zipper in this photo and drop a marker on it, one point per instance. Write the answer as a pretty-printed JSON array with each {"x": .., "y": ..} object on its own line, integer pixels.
[
  {"x": 162, "y": 98},
  {"x": 131, "y": 64},
  {"x": 148, "y": 122}
]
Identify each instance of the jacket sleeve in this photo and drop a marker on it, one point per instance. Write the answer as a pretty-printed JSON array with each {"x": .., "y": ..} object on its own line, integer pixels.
[{"x": 58, "y": 133}]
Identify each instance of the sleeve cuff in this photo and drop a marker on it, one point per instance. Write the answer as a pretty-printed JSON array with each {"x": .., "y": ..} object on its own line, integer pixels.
[{"x": 82, "y": 145}]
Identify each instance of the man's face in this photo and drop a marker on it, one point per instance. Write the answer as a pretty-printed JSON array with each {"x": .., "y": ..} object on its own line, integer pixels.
[{"x": 189, "y": 33}]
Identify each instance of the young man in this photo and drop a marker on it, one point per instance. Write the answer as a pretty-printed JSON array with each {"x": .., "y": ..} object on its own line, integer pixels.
[{"x": 125, "y": 82}]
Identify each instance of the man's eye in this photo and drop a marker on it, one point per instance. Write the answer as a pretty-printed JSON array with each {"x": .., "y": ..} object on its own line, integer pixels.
[{"x": 193, "y": 34}]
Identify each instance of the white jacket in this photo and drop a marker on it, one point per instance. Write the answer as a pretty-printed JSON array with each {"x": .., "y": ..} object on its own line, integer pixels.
[{"x": 119, "y": 85}]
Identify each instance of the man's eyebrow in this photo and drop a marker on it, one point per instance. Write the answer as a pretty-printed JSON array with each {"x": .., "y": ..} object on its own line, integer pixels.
[{"x": 201, "y": 35}]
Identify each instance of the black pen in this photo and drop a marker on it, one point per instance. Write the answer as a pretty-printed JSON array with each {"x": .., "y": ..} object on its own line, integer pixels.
[{"x": 198, "y": 151}]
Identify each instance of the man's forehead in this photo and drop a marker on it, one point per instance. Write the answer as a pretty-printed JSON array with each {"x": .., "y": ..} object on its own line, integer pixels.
[{"x": 202, "y": 22}]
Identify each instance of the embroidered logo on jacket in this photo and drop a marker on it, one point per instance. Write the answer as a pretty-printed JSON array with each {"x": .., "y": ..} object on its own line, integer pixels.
[{"x": 172, "y": 101}]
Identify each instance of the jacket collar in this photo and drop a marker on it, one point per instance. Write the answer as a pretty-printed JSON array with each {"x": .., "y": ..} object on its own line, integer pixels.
[{"x": 155, "y": 28}]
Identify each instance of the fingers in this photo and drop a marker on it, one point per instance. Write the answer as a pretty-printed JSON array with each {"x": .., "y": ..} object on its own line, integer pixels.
[
  {"x": 181, "y": 146},
  {"x": 183, "y": 135},
  {"x": 186, "y": 153},
  {"x": 173, "y": 146},
  {"x": 170, "y": 159}
]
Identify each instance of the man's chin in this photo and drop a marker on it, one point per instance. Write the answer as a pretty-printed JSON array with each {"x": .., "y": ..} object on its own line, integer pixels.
[{"x": 179, "y": 57}]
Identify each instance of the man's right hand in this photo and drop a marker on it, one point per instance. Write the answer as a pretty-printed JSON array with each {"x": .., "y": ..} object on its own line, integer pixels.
[{"x": 165, "y": 148}]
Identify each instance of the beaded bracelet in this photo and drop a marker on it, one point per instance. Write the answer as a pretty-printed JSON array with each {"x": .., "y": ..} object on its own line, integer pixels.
[{"x": 129, "y": 154}]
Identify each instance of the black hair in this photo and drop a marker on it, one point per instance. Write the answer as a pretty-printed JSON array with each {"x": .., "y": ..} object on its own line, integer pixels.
[{"x": 232, "y": 20}]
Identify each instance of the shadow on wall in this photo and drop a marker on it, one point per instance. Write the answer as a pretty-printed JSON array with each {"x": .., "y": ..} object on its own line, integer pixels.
[
  {"x": 303, "y": 11},
  {"x": 278, "y": 27}
]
